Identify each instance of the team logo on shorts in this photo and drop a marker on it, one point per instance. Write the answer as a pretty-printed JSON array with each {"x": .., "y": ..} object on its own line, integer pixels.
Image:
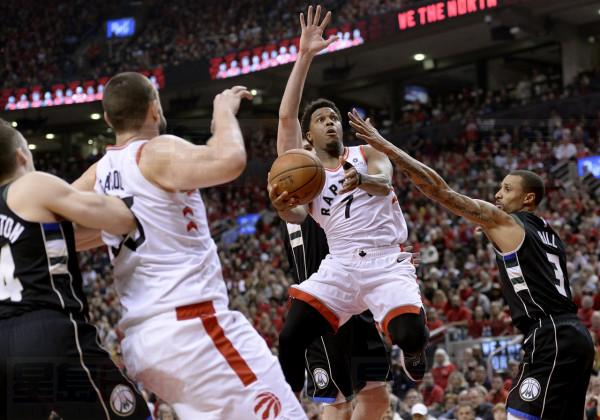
[
  {"x": 530, "y": 389},
  {"x": 267, "y": 406},
  {"x": 122, "y": 400},
  {"x": 321, "y": 378}
]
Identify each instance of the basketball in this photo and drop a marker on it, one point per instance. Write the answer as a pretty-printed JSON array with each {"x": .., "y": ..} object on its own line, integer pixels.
[{"x": 300, "y": 173}]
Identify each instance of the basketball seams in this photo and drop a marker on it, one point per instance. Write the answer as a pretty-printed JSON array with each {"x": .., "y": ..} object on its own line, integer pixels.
[{"x": 306, "y": 183}]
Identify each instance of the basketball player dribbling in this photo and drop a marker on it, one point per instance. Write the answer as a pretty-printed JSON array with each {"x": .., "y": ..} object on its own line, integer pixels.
[
  {"x": 181, "y": 340},
  {"x": 559, "y": 353},
  {"x": 364, "y": 226},
  {"x": 50, "y": 359}
]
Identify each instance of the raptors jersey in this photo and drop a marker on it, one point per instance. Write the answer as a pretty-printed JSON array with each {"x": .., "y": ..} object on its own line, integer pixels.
[
  {"x": 171, "y": 260},
  {"x": 356, "y": 219}
]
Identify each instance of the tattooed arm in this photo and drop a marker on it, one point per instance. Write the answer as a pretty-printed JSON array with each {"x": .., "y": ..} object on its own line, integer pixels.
[{"x": 498, "y": 225}]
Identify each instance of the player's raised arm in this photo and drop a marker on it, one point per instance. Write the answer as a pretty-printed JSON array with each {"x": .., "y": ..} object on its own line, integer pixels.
[
  {"x": 289, "y": 133},
  {"x": 42, "y": 197},
  {"x": 175, "y": 164},
  {"x": 498, "y": 225}
]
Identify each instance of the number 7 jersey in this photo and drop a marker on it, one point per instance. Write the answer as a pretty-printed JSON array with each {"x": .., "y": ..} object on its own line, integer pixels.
[
  {"x": 356, "y": 219},
  {"x": 171, "y": 260}
]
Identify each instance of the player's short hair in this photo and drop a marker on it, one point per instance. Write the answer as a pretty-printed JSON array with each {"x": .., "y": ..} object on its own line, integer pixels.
[
  {"x": 311, "y": 107},
  {"x": 531, "y": 183},
  {"x": 9, "y": 143},
  {"x": 126, "y": 100}
]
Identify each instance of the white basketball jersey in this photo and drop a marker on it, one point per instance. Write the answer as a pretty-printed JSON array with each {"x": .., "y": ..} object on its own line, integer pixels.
[
  {"x": 171, "y": 260},
  {"x": 356, "y": 219}
]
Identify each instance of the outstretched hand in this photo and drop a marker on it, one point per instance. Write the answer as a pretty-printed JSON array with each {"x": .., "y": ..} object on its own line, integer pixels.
[
  {"x": 311, "y": 40},
  {"x": 368, "y": 133}
]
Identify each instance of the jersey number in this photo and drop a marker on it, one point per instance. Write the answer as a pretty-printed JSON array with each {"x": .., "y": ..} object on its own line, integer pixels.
[
  {"x": 131, "y": 243},
  {"x": 10, "y": 287},
  {"x": 348, "y": 204},
  {"x": 559, "y": 282}
]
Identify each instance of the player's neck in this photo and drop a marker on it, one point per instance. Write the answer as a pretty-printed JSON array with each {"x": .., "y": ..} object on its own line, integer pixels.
[
  {"x": 129, "y": 136},
  {"x": 330, "y": 159}
]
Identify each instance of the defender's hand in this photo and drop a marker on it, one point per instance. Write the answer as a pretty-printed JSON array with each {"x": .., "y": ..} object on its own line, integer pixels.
[
  {"x": 368, "y": 133},
  {"x": 352, "y": 177}
]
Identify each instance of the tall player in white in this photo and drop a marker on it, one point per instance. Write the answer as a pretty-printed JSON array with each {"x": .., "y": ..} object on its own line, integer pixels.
[
  {"x": 364, "y": 225},
  {"x": 181, "y": 340}
]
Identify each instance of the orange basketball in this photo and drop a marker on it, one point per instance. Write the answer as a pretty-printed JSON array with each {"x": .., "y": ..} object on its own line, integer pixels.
[{"x": 300, "y": 173}]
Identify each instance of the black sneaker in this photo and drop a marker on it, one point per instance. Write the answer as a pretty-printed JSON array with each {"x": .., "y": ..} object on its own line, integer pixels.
[{"x": 414, "y": 365}]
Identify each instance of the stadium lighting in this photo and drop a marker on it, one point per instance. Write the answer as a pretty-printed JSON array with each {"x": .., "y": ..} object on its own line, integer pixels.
[
  {"x": 14, "y": 124},
  {"x": 50, "y": 136},
  {"x": 90, "y": 141},
  {"x": 254, "y": 92},
  {"x": 419, "y": 57},
  {"x": 95, "y": 116},
  {"x": 32, "y": 147}
]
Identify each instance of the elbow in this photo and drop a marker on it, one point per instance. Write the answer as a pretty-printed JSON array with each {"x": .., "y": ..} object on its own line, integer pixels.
[
  {"x": 237, "y": 163},
  {"x": 287, "y": 117}
]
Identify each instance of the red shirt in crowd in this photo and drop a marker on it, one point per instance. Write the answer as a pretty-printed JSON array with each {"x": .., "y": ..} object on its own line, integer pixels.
[
  {"x": 585, "y": 315},
  {"x": 495, "y": 397},
  {"x": 432, "y": 395},
  {"x": 458, "y": 314},
  {"x": 440, "y": 374},
  {"x": 476, "y": 327}
]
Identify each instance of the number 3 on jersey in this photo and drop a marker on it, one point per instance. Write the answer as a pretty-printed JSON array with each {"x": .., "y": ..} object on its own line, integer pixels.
[
  {"x": 558, "y": 273},
  {"x": 10, "y": 287}
]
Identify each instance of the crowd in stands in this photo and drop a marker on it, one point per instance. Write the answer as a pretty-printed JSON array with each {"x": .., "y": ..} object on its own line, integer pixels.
[{"x": 56, "y": 41}]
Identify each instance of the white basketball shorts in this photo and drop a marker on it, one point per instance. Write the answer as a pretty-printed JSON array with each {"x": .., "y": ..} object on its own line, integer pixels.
[
  {"x": 209, "y": 363},
  {"x": 382, "y": 280}
]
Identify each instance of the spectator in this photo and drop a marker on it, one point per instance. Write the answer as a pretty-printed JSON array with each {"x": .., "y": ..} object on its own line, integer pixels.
[
  {"x": 420, "y": 412},
  {"x": 481, "y": 408},
  {"x": 499, "y": 411},
  {"x": 465, "y": 412},
  {"x": 497, "y": 393},
  {"x": 442, "y": 368},
  {"x": 479, "y": 326},
  {"x": 586, "y": 311},
  {"x": 457, "y": 314},
  {"x": 456, "y": 383},
  {"x": 432, "y": 393},
  {"x": 480, "y": 378}
]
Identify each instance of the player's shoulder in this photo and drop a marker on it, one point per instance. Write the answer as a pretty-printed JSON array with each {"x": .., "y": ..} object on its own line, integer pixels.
[
  {"x": 36, "y": 179},
  {"x": 525, "y": 218},
  {"x": 163, "y": 144}
]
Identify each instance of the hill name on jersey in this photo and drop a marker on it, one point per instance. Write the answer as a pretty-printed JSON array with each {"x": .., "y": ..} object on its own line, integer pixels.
[{"x": 548, "y": 238}]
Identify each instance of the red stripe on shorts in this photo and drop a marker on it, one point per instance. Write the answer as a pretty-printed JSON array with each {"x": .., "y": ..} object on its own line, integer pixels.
[
  {"x": 406, "y": 309},
  {"x": 206, "y": 312},
  {"x": 327, "y": 313}
]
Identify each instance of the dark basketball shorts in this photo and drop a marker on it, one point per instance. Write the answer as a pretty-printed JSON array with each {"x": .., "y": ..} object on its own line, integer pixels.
[
  {"x": 346, "y": 362},
  {"x": 51, "y": 362},
  {"x": 555, "y": 371}
]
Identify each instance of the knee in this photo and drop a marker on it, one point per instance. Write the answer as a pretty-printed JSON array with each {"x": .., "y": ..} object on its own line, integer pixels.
[
  {"x": 377, "y": 399},
  {"x": 409, "y": 332}
]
